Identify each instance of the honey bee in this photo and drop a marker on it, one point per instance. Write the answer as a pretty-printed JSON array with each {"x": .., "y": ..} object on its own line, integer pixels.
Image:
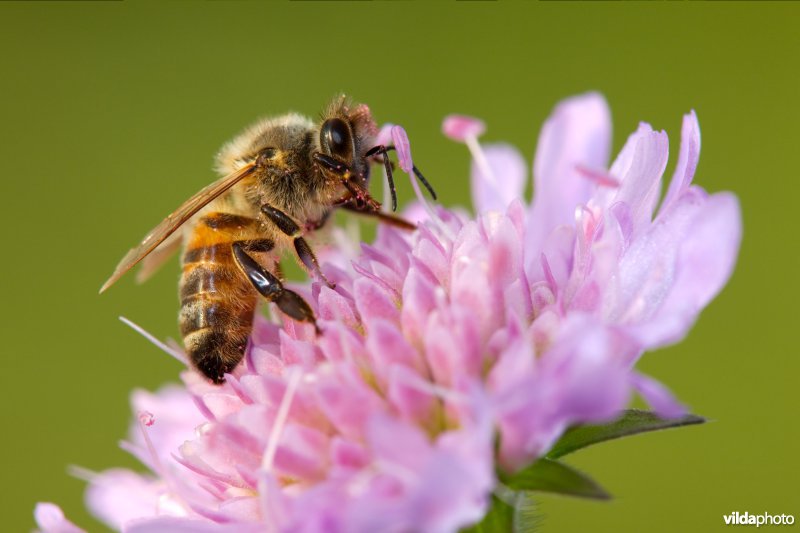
[{"x": 282, "y": 177}]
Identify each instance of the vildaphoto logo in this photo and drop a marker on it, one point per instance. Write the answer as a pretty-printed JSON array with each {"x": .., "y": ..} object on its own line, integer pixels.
[{"x": 746, "y": 519}]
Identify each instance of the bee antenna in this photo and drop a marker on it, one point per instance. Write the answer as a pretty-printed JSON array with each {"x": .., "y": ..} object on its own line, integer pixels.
[{"x": 421, "y": 178}]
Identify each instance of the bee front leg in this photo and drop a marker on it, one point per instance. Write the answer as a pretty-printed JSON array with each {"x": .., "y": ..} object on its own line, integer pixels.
[
  {"x": 289, "y": 227},
  {"x": 384, "y": 151},
  {"x": 271, "y": 288}
]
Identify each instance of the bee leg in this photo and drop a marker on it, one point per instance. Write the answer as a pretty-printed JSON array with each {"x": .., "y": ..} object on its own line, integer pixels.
[
  {"x": 340, "y": 169},
  {"x": 301, "y": 247},
  {"x": 271, "y": 288},
  {"x": 384, "y": 151},
  {"x": 276, "y": 266}
]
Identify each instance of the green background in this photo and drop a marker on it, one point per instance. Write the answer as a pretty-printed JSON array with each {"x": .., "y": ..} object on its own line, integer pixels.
[{"x": 111, "y": 112}]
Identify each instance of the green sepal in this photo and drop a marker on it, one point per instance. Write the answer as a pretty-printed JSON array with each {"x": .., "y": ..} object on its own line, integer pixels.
[
  {"x": 631, "y": 422},
  {"x": 546, "y": 475},
  {"x": 514, "y": 512}
]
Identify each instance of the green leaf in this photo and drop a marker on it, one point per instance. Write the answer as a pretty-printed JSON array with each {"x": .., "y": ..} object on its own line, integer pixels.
[
  {"x": 632, "y": 421},
  {"x": 546, "y": 475},
  {"x": 520, "y": 515}
]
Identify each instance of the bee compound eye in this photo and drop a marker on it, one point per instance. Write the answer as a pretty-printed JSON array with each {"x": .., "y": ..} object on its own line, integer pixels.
[{"x": 336, "y": 138}]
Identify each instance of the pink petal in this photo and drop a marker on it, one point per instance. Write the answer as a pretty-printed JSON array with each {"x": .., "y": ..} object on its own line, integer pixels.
[
  {"x": 509, "y": 170},
  {"x": 299, "y": 455},
  {"x": 298, "y": 352},
  {"x": 347, "y": 454},
  {"x": 342, "y": 343},
  {"x": 409, "y": 394},
  {"x": 418, "y": 301},
  {"x": 172, "y": 524},
  {"x": 335, "y": 307},
  {"x": 435, "y": 259},
  {"x": 50, "y": 518},
  {"x": 374, "y": 301},
  {"x": 641, "y": 184},
  {"x": 577, "y": 134},
  {"x": 646, "y": 272},
  {"x": 451, "y": 497},
  {"x": 396, "y": 442},
  {"x": 461, "y": 127},
  {"x": 403, "y": 148},
  {"x": 452, "y": 345},
  {"x": 703, "y": 264},
  {"x": 580, "y": 378},
  {"x": 344, "y": 398},
  {"x": 504, "y": 253},
  {"x": 658, "y": 396},
  {"x": 117, "y": 496},
  {"x": 388, "y": 347},
  {"x": 222, "y": 405},
  {"x": 176, "y": 418},
  {"x": 687, "y": 160}
]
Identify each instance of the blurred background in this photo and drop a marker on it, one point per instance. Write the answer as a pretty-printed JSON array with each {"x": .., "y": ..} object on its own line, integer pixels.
[{"x": 111, "y": 112}]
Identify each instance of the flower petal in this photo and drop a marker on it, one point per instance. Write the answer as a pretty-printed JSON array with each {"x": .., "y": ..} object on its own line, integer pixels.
[
  {"x": 641, "y": 184},
  {"x": 403, "y": 148},
  {"x": 577, "y": 134},
  {"x": 172, "y": 524},
  {"x": 508, "y": 167},
  {"x": 117, "y": 496},
  {"x": 658, "y": 396},
  {"x": 687, "y": 160},
  {"x": 703, "y": 263}
]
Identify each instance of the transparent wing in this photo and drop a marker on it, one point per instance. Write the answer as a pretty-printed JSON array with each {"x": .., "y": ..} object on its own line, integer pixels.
[
  {"x": 175, "y": 221},
  {"x": 150, "y": 264}
]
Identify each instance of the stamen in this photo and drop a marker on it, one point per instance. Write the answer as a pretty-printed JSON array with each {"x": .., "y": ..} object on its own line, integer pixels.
[
  {"x": 480, "y": 158},
  {"x": 280, "y": 419},
  {"x": 174, "y": 353},
  {"x": 146, "y": 419},
  {"x": 384, "y": 135},
  {"x": 601, "y": 178},
  {"x": 466, "y": 129},
  {"x": 459, "y": 127},
  {"x": 79, "y": 472}
]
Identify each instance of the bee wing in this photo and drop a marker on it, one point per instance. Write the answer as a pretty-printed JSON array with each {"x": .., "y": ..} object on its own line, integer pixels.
[
  {"x": 153, "y": 261},
  {"x": 175, "y": 220}
]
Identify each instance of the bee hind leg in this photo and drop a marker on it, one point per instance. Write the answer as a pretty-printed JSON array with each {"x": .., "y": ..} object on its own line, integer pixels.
[
  {"x": 271, "y": 288},
  {"x": 289, "y": 227}
]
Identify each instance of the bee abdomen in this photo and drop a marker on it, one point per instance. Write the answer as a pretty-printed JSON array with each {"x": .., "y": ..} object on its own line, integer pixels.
[{"x": 216, "y": 314}]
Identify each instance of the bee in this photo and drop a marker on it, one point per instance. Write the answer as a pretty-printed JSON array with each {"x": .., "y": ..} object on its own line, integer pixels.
[{"x": 281, "y": 179}]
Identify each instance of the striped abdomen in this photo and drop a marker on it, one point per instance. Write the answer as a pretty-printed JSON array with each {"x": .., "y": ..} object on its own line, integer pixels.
[{"x": 217, "y": 300}]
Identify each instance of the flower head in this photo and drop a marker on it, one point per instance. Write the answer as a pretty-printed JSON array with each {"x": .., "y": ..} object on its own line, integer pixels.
[{"x": 506, "y": 327}]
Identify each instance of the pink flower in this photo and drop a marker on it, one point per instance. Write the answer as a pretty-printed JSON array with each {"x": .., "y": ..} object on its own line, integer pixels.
[{"x": 514, "y": 324}]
